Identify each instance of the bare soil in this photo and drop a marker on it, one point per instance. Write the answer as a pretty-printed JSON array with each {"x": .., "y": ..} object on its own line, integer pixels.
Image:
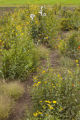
[{"x": 18, "y": 112}]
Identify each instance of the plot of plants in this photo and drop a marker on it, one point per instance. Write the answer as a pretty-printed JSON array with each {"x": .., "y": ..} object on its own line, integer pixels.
[{"x": 40, "y": 63}]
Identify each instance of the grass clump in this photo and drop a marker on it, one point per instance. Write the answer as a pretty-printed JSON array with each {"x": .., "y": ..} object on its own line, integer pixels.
[
  {"x": 43, "y": 52},
  {"x": 13, "y": 89},
  {"x": 9, "y": 93},
  {"x": 5, "y": 106}
]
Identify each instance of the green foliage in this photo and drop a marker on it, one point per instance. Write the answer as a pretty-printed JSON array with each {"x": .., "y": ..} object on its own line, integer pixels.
[
  {"x": 56, "y": 94},
  {"x": 70, "y": 20},
  {"x": 45, "y": 27},
  {"x": 70, "y": 46},
  {"x": 21, "y": 35},
  {"x": 17, "y": 62}
]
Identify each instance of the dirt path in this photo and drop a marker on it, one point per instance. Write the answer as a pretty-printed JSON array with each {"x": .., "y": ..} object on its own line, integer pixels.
[
  {"x": 54, "y": 58},
  {"x": 21, "y": 105}
]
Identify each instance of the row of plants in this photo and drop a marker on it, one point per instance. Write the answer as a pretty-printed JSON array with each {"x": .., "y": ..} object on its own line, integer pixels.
[
  {"x": 19, "y": 57},
  {"x": 23, "y": 30},
  {"x": 20, "y": 54},
  {"x": 55, "y": 94}
]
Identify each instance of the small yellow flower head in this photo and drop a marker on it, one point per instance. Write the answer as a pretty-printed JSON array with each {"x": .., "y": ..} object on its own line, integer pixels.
[
  {"x": 35, "y": 114},
  {"x": 44, "y": 107},
  {"x": 50, "y": 107},
  {"x": 53, "y": 85},
  {"x": 35, "y": 78},
  {"x": 77, "y": 65},
  {"x": 69, "y": 72},
  {"x": 61, "y": 108},
  {"x": 54, "y": 102},
  {"x": 39, "y": 113},
  {"x": 36, "y": 84},
  {"x": 77, "y": 61},
  {"x": 22, "y": 34},
  {"x": 46, "y": 114},
  {"x": 59, "y": 75},
  {"x": 46, "y": 37},
  {"x": 16, "y": 34},
  {"x": 47, "y": 101},
  {"x": 43, "y": 71},
  {"x": 39, "y": 82},
  {"x": 45, "y": 82}
]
